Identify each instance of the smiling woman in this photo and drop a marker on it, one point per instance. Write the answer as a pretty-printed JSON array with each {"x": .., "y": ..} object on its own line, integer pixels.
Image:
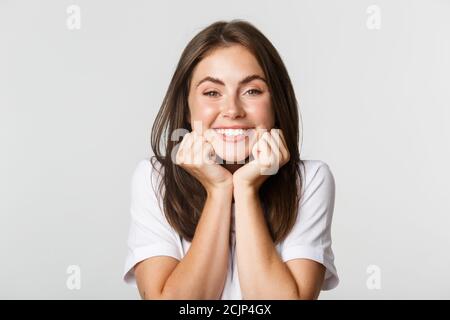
[
  {"x": 230, "y": 82},
  {"x": 257, "y": 226}
]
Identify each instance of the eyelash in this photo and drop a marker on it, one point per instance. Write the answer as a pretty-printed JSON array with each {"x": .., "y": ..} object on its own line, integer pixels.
[
  {"x": 208, "y": 94},
  {"x": 215, "y": 93}
]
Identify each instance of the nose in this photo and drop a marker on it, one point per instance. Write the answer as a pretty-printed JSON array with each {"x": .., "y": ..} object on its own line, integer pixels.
[{"x": 232, "y": 109}]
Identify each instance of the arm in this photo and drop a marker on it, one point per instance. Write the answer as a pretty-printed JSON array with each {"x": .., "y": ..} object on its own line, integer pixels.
[
  {"x": 262, "y": 273},
  {"x": 201, "y": 274}
]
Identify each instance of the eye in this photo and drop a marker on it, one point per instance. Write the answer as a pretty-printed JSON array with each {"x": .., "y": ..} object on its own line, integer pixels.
[
  {"x": 254, "y": 92},
  {"x": 211, "y": 94}
]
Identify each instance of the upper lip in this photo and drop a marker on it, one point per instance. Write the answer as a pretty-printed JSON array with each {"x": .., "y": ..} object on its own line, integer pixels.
[{"x": 233, "y": 127}]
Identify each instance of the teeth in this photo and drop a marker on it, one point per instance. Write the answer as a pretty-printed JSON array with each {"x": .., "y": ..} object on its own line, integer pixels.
[{"x": 231, "y": 132}]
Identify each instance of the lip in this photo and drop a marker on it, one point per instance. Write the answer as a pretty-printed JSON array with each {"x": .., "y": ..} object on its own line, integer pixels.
[{"x": 233, "y": 127}]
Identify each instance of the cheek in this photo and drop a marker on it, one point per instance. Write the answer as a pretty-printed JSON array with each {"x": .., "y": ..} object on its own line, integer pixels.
[
  {"x": 261, "y": 112},
  {"x": 202, "y": 111}
]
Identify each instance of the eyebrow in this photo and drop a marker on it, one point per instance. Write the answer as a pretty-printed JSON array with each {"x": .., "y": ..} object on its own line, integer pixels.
[{"x": 243, "y": 81}]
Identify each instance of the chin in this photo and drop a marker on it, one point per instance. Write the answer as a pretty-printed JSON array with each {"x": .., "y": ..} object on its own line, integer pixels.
[
  {"x": 235, "y": 148},
  {"x": 232, "y": 153}
]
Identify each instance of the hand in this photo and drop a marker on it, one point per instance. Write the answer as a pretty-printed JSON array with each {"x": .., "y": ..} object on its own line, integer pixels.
[
  {"x": 270, "y": 153},
  {"x": 197, "y": 156}
]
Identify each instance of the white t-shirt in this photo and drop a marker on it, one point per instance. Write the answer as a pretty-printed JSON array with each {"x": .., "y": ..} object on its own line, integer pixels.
[{"x": 151, "y": 235}]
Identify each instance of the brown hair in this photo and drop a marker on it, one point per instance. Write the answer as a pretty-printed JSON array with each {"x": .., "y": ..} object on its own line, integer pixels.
[{"x": 183, "y": 196}]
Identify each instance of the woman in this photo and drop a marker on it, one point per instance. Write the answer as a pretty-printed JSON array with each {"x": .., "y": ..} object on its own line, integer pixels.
[{"x": 237, "y": 214}]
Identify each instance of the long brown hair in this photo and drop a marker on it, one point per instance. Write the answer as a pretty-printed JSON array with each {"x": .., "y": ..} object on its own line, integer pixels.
[{"x": 183, "y": 196}]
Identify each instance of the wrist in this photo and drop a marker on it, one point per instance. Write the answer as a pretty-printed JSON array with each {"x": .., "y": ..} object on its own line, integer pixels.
[
  {"x": 244, "y": 190},
  {"x": 219, "y": 190},
  {"x": 244, "y": 185}
]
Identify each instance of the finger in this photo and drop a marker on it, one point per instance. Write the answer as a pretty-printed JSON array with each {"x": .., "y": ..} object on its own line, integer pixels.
[
  {"x": 180, "y": 152},
  {"x": 276, "y": 136},
  {"x": 274, "y": 146},
  {"x": 277, "y": 133},
  {"x": 274, "y": 154},
  {"x": 274, "y": 161},
  {"x": 265, "y": 142},
  {"x": 255, "y": 151},
  {"x": 265, "y": 150},
  {"x": 188, "y": 158},
  {"x": 197, "y": 148},
  {"x": 204, "y": 151},
  {"x": 209, "y": 154}
]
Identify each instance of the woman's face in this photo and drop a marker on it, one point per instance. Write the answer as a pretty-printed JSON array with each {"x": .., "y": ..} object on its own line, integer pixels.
[{"x": 229, "y": 94}]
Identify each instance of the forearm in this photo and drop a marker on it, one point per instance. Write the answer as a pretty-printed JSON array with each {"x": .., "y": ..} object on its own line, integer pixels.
[
  {"x": 262, "y": 273},
  {"x": 201, "y": 274}
]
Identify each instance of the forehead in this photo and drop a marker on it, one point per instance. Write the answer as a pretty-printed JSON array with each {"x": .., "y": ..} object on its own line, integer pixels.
[{"x": 231, "y": 63}]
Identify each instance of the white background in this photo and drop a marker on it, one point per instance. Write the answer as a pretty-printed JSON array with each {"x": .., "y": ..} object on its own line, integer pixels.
[{"x": 76, "y": 108}]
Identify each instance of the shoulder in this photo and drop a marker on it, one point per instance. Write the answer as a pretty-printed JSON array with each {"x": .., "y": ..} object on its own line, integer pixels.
[
  {"x": 317, "y": 178},
  {"x": 146, "y": 172},
  {"x": 144, "y": 182},
  {"x": 147, "y": 167},
  {"x": 313, "y": 223},
  {"x": 314, "y": 169}
]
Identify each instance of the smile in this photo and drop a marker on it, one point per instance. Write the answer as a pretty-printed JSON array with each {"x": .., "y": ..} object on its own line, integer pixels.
[{"x": 233, "y": 135}]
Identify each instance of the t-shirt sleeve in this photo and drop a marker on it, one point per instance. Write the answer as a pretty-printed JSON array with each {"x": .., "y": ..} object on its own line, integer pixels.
[
  {"x": 150, "y": 234},
  {"x": 310, "y": 237}
]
